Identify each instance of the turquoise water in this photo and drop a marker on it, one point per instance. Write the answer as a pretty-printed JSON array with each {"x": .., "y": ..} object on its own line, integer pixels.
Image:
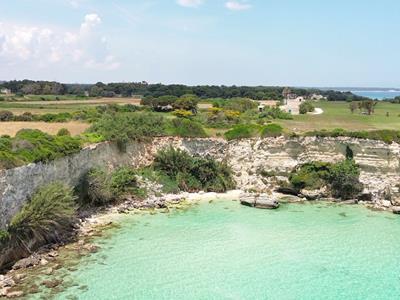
[
  {"x": 222, "y": 250},
  {"x": 380, "y": 95}
]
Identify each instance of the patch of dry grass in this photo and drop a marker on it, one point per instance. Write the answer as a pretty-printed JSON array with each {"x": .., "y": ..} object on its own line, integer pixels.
[{"x": 11, "y": 128}]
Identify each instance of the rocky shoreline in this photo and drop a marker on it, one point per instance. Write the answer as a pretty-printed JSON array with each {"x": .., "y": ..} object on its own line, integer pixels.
[{"x": 18, "y": 283}]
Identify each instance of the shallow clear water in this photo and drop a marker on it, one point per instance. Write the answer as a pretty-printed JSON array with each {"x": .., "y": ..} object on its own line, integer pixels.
[
  {"x": 222, "y": 250},
  {"x": 380, "y": 95}
]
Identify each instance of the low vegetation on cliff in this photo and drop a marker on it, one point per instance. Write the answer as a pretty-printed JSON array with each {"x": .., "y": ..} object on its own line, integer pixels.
[
  {"x": 181, "y": 171},
  {"x": 35, "y": 146},
  {"x": 46, "y": 218},
  {"x": 341, "y": 178},
  {"x": 105, "y": 186},
  {"x": 387, "y": 136}
]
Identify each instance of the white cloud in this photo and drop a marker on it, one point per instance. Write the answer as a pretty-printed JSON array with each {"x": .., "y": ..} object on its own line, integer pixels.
[
  {"x": 190, "y": 3},
  {"x": 236, "y": 5},
  {"x": 42, "y": 46}
]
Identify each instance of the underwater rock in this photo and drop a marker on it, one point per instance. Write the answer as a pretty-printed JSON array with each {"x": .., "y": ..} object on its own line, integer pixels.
[{"x": 51, "y": 283}]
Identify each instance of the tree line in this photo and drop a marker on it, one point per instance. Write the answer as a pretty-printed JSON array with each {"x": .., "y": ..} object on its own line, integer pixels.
[{"x": 129, "y": 89}]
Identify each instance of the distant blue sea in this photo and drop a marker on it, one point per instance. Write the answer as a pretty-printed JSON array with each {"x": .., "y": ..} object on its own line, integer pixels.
[{"x": 377, "y": 94}]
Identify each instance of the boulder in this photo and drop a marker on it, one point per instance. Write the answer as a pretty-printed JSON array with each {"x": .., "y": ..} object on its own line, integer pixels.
[
  {"x": 27, "y": 262},
  {"x": 248, "y": 201},
  {"x": 258, "y": 201},
  {"x": 314, "y": 194},
  {"x": 14, "y": 294},
  {"x": 6, "y": 281},
  {"x": 396, "y": 210},
  {"x": 267, "y": 204}
]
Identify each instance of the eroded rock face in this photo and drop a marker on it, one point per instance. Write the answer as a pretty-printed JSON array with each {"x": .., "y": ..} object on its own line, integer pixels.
[{"x": 258, "y": 164}]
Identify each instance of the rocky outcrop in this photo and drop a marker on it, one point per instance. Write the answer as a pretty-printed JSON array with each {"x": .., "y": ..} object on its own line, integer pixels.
[
  {"x": 258, "y": 164},
  {"x": 258, "y": 201}
]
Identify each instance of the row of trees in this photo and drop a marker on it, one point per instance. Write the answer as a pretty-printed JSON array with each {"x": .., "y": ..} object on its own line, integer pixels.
[
  {"x": 127, "y": 89},
  {"x": 367, "y": 106}
]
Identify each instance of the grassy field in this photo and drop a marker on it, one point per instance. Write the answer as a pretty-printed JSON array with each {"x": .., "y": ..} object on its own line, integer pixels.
[
  {"x": 64, "y": 105},
  {"x": 11, "y": 128},
  {"x": 338, "y": 115}
]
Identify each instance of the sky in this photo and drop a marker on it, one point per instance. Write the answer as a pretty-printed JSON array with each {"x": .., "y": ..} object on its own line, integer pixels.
[{"x": 222, "y": 42}]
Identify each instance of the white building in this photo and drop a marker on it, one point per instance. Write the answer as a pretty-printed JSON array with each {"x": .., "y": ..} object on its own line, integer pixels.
[{"x": 5, "y": 91}]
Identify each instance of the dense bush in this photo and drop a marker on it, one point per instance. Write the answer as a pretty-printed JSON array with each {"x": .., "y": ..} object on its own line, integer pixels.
[
  {"x": 272, "y": 130},
  {"x": 34, "y": 146},
  {"x": 186, "y": 102},
  {"x": 186, "y": 128},
  {"x": 344, "y": 179},
  {"x": 242, "y": 131},
  {"x": 341, "y": 177},
  {"x": 222, "y": 118},
  {"x": 235, "y": 104},
  {"x": 162, "y": 103},
  {"x": 53, "y": 118},
  {"x": 193, "y": 173},
  {"x": 310, "y": 176},
  {"x": 6, "y": 115},
  {"x": 123, "y": 127},
  {"x": 105, "y": 187},
  {"x": 306, "y": 107},
  {"x": 99, "y": 190},
  {"x": 63, "y": 132},
  {"x": 47, "y": 218},
  {"x": 275, "y": 113}
]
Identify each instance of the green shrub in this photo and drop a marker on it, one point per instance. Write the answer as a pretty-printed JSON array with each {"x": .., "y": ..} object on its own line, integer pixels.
[
  {"x": 236, "y": 104},
  {"x": 275, "y": 113},
  {"x": 122, "y": 127},
  {"x": 63, "y": 132},
  {"x": 4, "y": 237},
  {"x": 99, "y": 191},
  {"x": 104, "y": 187},
  {"x": 25, "y": 117},
  {"x": 306, "y": 107},
  {"x": 52, "y": 118},
  {"x": 186, "y": 102},
  {"x": 341, "y": 177},
  {"x": 6, "y": 115},
  {"x": 193, "y": 173},
  {"x": 91, "y": 138},
  {"x": 310, "y": 176},
  {"x": 242, "y": 131},
  {"x": 34, "y": 146},
  {"x": 173, "y": 161},
  {"x": 46, "y": 218},
  {"x": 123, "y": 180},
  {"x": 272, "y": 130},
  {"x": 186, "y": 128},
  {"x": 221, "y": 118},
  {"x": 344, "y": 179}
]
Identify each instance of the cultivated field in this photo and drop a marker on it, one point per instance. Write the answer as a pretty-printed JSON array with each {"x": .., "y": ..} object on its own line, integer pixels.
[{"x": 11, "y": 128}]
